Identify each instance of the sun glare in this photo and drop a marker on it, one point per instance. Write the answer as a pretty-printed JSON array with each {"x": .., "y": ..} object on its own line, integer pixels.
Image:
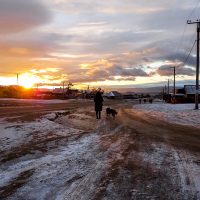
[{"x": 27, "y": 80}]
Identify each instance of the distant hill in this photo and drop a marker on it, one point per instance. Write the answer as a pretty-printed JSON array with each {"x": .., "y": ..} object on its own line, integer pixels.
[
  {"x": 150, "y": 90},
  {"x": 147, "y": 90}
]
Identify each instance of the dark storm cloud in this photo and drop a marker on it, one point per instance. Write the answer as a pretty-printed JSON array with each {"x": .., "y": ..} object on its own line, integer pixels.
[
  {"x": 118, "y": 73},
  {"x": 184, "y": 58},
  {"x": 19, "y": 15},
  {"x": 167, "y": 51},
  {"x": 127, "y": 72},
  {"x": 167, "y": 70}
]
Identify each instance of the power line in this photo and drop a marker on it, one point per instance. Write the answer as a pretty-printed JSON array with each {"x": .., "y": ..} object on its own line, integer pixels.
[
  {"x": 182, "y": 36},
  {"x": 184, "y": 29},
  {"x": 192, "y": 38},
  {"x": 186, "y": 59}
]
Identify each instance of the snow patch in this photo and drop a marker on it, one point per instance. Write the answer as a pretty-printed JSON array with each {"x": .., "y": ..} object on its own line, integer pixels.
[
  {"x": 173, "y": 113},
  {"x": 14, "y": 134}
]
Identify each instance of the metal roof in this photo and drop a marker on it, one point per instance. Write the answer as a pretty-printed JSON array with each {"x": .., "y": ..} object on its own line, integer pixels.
[{"x": 113, "y": 94}]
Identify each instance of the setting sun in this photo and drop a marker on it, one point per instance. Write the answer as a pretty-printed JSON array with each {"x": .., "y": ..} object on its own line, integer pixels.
[{"x": 28, "y": 80}]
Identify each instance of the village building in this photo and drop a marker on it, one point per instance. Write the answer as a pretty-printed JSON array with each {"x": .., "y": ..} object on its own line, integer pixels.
[
  {"x": 65, "y": 93},
  {"x": 190, "y": 91},
  {"x": 113, "y": 95},
  {"x": 183, "y": 95},
  {"x": 130, "y": 95}
]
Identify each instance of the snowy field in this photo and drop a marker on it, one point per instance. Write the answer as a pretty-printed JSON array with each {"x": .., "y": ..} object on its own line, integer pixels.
[{"x": 184, "y": 114}]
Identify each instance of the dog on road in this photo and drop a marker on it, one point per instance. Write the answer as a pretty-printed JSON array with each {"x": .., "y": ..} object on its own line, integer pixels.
[{"x": 110, "y": 111}]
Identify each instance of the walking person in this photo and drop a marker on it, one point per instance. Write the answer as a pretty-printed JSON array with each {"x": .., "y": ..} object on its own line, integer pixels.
[{"x": 98, "y": 99}]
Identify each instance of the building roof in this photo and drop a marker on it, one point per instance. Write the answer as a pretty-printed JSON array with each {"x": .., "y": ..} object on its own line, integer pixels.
[
  {"x": 113, "y": 94},
  {"x": 59, "y": 91}
]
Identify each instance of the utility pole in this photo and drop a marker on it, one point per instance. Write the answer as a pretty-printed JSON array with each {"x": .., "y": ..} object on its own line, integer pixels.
[
  {"x": 174, "y": 85},
  {"x": 63, "y": 89},
  {"x": 168, "y": 87},
  {"x": 174, "y": 82},
  {"x": 17, "y": 79},
  {"x": 12, "y": 73},
  {"x": 197, "y": 22},
  {"x": 168, "y": 91},
  {"x": 174, "y": 90}
]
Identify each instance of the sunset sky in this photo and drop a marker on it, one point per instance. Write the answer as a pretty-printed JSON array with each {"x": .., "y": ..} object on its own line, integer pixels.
[{"x": 130, "y": 43}]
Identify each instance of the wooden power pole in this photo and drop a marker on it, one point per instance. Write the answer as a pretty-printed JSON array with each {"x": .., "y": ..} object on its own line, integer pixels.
[
  {"x": 174, "y": 90},
  {"x": 174, "y": 81},
  {"x": 197, "y": 22},
  {"x": 168, "y": 88}
]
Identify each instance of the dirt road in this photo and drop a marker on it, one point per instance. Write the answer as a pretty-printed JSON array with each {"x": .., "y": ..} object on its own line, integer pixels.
[{"x": 70, "y": 155}]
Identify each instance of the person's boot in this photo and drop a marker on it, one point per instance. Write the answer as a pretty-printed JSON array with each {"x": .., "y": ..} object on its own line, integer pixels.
[{"x": 99, "y": 114}]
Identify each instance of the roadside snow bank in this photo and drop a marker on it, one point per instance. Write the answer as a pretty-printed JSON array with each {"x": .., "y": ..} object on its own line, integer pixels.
[
  {"x": 15, "y": 134},
  {"x": 174, "y": 113}
]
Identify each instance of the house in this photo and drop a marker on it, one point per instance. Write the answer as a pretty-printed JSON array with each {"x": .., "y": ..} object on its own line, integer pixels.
[
  {"x": 183, "y": 95},
  {"x": 65, "y": 93},
  {"x": 113, "y": 95},
  {"x": 88, "y": 94},
  {"x": 130, "y": 95},
  {"x": 190, "y": 92},
  {"x": 42, "y": 94}
]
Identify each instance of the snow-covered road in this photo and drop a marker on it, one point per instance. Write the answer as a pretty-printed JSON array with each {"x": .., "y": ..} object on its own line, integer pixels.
[{"x": 68, "y": 154}]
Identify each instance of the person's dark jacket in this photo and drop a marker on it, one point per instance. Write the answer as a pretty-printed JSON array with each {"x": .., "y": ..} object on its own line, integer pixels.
[{"x": 98, "y": 99}]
